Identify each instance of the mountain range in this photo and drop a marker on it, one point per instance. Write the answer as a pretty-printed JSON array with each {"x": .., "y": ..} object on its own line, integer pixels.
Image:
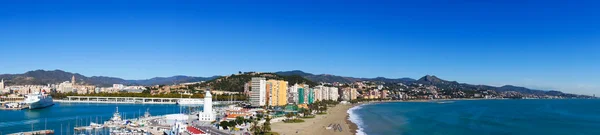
[
  {"x": 426, "y": 80},
  {"x": 43, "y": 77}
]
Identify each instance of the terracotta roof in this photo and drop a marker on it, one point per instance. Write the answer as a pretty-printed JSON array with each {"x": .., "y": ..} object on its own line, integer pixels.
[{"x": 194, "y": 130}]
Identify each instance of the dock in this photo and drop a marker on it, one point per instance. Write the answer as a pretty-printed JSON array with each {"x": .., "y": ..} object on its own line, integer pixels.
[
  {"x": 4, "y": 107},
  {"x": 39, "y": 132},
  {"x": 128, "y": 100}
]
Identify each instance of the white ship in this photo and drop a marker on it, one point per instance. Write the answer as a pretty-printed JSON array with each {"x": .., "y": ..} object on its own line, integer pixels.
[{"x": 38, "y": 100}]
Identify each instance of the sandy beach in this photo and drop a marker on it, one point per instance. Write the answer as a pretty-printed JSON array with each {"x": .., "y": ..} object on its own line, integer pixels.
[{"x": 316, "y": 126}]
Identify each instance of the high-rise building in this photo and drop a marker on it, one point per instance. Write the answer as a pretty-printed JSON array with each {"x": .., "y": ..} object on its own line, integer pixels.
[
  {"x": 2, "y": 85},
  {"x": 301, "y": 96},
  {"x": 276, "y": 92},
  {"x": 73, "y": 80},
  {"x": 258, "y": 91},
  {"x": 334, "y": 93},
  {"x": 311, "y": 95}
]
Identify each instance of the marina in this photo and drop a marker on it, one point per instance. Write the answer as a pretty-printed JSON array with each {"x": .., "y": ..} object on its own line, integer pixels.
[{"x": 63, "y": 118}]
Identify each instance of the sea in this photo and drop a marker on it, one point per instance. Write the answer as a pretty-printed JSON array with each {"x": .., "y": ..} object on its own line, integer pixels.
[
  {"x": 480, "y": 117},
  {"x": 63, "y": 117}
]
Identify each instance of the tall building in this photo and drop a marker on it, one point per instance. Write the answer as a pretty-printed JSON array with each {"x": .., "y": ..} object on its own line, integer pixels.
[
  {"x": 73, "y": 80},
  {"x": 2, "y": 85},
  {"x": 334, "y": 93},
  {"x": 207, "y": 114},
  {"x": 258, "y": 91},
  {"x": 311, "y": 95},
  {"x": 301, "y": 96},
  {"x": 326, "y": 93},
  {"x": 277, "y": 92}
]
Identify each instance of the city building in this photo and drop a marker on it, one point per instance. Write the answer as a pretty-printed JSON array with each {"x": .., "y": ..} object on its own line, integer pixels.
[
  {"x": 65, "y": 87},
  {"x": 334, "y": 93},
  {"x": 296, "y": 91},
  {"x": 326, "y": 93},
  {"x": 207, "y": 114},
  {"x": 311, "y": 95},
  {"x": 352, "y": 94},
  {"x": 258, "y": 91},
  {"x": 2, "y": 85},
  {"x": 73, "y": 80},
  {"x": 301, "y": 96},
  {"x": 276, "y": 92}
]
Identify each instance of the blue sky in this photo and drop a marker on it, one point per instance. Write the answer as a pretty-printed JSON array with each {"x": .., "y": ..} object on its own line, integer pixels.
[{"x": 541, "y": 44}]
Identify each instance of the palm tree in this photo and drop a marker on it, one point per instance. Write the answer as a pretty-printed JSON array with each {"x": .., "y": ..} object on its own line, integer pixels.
[
  {"x": 255, "y": 128},
  {"x": 289, "y": 115},
  {"x": 267, "y": 125}
]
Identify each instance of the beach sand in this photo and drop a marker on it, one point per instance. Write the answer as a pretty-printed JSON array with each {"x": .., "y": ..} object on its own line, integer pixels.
[{"x": 316, "y": 126}]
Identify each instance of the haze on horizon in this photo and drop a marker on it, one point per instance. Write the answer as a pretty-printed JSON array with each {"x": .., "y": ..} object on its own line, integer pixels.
[{"x": 537, "y": 44}]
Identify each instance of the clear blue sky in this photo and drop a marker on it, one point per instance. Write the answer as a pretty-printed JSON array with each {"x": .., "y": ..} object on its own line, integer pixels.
[{"x": 543, "y": 44}]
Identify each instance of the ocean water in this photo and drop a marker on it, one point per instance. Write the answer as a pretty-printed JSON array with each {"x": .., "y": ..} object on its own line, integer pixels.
[
  {"x": 66, "y": 115},
  {"x": 480, "y": 117}
]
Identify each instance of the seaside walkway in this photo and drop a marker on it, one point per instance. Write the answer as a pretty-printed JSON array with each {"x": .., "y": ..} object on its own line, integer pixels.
[{"x": 129, "y": 100}]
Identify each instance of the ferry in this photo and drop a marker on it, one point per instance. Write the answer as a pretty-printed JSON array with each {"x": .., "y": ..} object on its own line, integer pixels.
[{"x": 38, "y": 100}]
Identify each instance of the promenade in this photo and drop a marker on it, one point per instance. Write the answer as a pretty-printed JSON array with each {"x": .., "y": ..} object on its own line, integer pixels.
[{"x": 129, "y": 100}]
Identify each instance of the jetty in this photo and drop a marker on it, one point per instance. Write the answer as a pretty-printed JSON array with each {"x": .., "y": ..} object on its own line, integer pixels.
[
  {"x": 129, "y": 100},
  {"x": 13, "y": 106},
  {"x": 39, "y": 132}
]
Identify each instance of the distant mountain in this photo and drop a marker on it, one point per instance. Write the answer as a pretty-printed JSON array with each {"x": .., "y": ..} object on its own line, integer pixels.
[
  {"x": 341, "y": 79},
  {"x": 235, "y": 82},
  {"x": 453, "y": 85},
  {"x": 43, "y": 77}
]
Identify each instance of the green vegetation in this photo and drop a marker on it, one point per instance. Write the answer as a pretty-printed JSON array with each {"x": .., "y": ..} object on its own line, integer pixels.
[
  {"x": 265, "y": 129},
  {"x": 236, "y": 82},
  {"x": 293, "y": 121},
  {"x": 308, "y": 117},
  {"x": 271, "y": 133}
]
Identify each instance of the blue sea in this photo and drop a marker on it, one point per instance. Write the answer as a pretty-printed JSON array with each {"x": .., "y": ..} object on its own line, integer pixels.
[
  {"x": 62, "y": 117},
  {"x": 480, "y": 117}
]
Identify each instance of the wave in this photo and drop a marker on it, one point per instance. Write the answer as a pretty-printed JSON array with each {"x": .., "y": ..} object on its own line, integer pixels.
[{"x": 355, "y": 118}]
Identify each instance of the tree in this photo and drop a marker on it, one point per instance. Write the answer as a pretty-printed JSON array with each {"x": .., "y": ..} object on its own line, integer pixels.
[
  {"x": 259, "y": 116},
  {"x": 224, "y": 124},
  {"x": 305, "y": 112},
  {"x": 289, "y": 115},
  {"x": 255, "y": 128},
  {"x": 267, "y": 125},
  {"x": 239, "y": 120}
]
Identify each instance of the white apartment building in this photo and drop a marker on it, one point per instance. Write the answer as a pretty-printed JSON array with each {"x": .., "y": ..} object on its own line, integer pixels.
[{"x": 258, "y": 91}]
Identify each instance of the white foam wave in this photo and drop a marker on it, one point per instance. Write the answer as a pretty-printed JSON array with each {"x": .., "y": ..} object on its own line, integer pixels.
[{"x": 355, "y": 118}]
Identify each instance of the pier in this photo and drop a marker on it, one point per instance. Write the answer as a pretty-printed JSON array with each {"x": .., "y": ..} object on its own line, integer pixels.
[
  {"x": 40, "y": 132},
  {"x": 128, "y": 100}
]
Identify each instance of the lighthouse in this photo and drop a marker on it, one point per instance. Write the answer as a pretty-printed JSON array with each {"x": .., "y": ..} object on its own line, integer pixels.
[{"x": 207, "y": 114}]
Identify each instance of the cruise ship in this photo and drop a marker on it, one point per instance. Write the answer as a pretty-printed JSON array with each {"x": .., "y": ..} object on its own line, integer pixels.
[{"x": 38, "y": 100}]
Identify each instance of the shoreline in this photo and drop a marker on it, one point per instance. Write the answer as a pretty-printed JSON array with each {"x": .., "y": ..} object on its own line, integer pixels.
[{"x": 317, "y": 125}]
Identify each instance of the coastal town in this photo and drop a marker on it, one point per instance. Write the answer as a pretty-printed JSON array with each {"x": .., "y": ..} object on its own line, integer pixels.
[{"x": 266, "y": 104}]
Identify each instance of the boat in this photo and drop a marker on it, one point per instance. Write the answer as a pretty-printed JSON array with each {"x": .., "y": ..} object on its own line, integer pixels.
[
  {"x": 116, "y": 120},
  {"x": 147, "y": 113},
  {"x": 38, "y": 100}
]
